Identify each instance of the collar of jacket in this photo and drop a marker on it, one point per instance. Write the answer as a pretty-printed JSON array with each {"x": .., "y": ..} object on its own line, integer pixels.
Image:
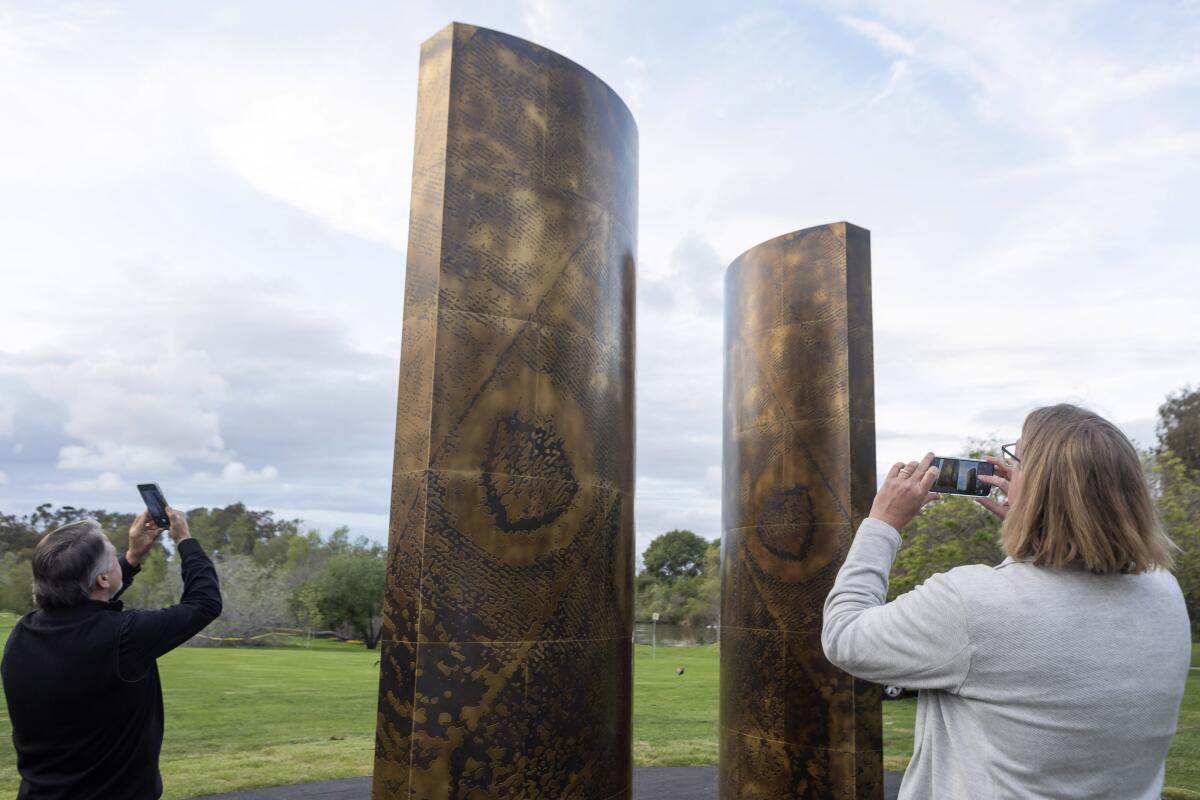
[{"x": 88, "y": 606}]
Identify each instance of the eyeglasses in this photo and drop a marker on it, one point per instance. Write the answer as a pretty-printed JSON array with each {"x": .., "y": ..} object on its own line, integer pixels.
[{"x": 1009, "y": 451}]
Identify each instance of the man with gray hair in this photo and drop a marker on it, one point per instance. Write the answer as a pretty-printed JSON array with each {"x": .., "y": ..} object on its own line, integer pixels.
[{"x": 79, "y": 672}]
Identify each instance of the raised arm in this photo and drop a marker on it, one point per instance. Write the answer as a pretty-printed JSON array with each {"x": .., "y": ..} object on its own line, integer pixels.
[
  {"x": 143, "y": 533},
  {"x": 920, "y": 640},
  {"x": 146, "y": 635}
]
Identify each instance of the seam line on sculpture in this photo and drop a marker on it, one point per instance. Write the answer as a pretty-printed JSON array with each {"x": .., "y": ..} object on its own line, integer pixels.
[
  {"x": 600, "y": 343},
  {"x": 821, "y": 473},
  {"x": 780, "y": 631},
  {"x": 503, "y": 356},
  {"x": 795, "y": 324},
  {"x": 788, "y": 525},
  {"x": 775, "y": 396},
  {"x": 506, "y": 641},
  {"x": 545, "y": 183},
  {"x": 589, "y": 484},
  {"x": 827, "y": 418},
  {"x": 803, "y": 746}
]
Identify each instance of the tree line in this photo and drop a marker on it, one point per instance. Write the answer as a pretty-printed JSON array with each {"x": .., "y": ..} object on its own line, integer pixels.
[
  {"x": 681, "y": 577},
  {"x": 273, "y": 574}
]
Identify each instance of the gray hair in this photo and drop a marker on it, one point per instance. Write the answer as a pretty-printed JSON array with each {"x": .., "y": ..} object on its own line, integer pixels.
[{"x": 67, "y": 561}]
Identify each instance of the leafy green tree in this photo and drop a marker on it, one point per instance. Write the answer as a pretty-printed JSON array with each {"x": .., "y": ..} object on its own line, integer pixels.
[
  {"x": 237, "y": 530},
  {"x": 945, "y": 534},
  {"x": 262, "y": 561},
  {"x": 1179, "y": 427},
  {"x": 255, "y": 598},
  {"x": 705, "y": 608},
  {"x": 16, "y": 583},
  {"x": 305, "y": 553},
  {"x": 151, "y": 588},
  {"x": 675, "y": 554},
  {"x": 1177, "y": 496},
  {"x": 347, "y": 593},
  {"x": 669, "y": 599},
  {"x": 17, "y": 536},
  {"x": 693, "y": 600},
  {"x": 46, "y": 518},
  {"x": 988, "y": 446}
]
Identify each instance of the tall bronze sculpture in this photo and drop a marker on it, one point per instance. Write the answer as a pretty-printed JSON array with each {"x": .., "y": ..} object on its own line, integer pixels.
[
  {"x": 799, "y": 476},
  {"x": 506, "y": 663}
]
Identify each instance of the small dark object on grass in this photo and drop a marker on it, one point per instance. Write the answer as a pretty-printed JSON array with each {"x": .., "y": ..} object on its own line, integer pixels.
[{"x": 679, "y": 670}]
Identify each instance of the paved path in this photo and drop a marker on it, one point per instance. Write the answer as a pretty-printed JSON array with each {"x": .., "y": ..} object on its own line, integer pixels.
[{"x": 649, "y": 783}]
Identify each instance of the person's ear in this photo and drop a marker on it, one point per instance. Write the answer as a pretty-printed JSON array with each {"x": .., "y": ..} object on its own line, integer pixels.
[{"x": 103, "y": 581}]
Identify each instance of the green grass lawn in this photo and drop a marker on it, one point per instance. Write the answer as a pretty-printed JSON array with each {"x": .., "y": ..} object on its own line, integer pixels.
[
  {"x": 245, "y": 717},
  {"x": 675, "y": 717}
]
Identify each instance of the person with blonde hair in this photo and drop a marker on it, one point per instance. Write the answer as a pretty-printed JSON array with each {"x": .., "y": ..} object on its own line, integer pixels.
[{"x": 1057, "y": 673}]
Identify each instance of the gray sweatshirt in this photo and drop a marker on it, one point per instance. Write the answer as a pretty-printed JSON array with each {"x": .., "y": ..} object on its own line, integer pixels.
[{"x": 1035, "y": 682}]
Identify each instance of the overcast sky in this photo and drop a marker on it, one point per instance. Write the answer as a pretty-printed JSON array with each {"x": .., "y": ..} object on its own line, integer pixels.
[{"x": 204, "y": 211}]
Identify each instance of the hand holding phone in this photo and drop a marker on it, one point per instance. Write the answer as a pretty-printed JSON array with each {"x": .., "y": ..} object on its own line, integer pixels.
[
  {"x": 179, "y": 526},
  {"x": 156, "y": 504},
  {"x": 962, "y": 476},
  {"x": 904, "y": 491},
  {"x": 1000, "y": 480},
  {"x": 143, "y": 533}
]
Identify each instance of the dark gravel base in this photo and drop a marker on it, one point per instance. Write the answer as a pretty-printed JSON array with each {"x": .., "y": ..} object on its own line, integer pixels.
[{"x": 649, "y": 783}]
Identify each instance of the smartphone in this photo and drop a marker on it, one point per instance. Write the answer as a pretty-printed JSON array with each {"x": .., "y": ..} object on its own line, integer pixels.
[
  {"x": 156, "y": 504},
  {"x": 961, "y": 476}
]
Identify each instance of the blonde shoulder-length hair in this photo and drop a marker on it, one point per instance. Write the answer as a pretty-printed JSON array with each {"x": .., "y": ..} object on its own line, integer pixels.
[{"x": 1084, "y": 502}]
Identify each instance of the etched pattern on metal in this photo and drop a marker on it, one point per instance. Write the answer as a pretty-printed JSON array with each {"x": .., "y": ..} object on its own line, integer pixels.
[
  {"x": 799, "y": 474},
  {"x": 506, "y": 660}
]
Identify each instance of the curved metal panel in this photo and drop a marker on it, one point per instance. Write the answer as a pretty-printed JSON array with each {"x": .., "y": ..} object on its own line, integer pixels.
[
  {"x": 506, "y": 669},
  {"x": 799, "y": 474}
]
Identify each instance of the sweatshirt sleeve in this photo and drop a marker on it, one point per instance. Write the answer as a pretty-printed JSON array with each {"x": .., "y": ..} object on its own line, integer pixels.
[
  {"x": 128, "y": 571},
  {"x": 919, "y": 640},
  {"x": 146, "y": 635}
]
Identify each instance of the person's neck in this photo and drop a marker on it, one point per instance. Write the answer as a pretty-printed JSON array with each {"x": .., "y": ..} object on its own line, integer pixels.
[{"x": 101, "y": 595}]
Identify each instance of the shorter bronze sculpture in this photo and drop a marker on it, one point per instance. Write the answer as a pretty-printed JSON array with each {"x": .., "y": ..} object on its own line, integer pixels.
[{"x": 799, "y": 475}]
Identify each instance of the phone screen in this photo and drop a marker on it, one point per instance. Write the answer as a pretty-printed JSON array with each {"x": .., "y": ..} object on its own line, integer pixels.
[
  {"x": 961, "y": 476},
  {"x": 156, "y": 504}
]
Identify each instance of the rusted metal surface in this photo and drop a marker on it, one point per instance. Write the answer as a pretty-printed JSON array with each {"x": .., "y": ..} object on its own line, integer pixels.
[
  {"x": 799, "y": 475},
  {"x": 506, "y": 665}
]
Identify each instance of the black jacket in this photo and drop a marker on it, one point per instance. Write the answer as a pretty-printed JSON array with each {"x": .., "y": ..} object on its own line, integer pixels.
[{"x": 83, "y": 692}]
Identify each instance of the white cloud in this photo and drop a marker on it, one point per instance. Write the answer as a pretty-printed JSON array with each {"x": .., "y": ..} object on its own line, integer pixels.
[
  {"x": 328, "y": 145},
  {"x": 881, "y": 35},
  {"x": 697, "y": 272},
  {"x": 899, "y": 68},
  {"x": 3, "y": 479},
  {"x": 140, "y": 459},
  {"x": 146, "y": 408},
  {"x": 105, "y": 482},
  {"x": 8, "y": 411},
  {"x": 712, "y": 480},
  {"x": 235, "y": 473},
  {"x": 1034, "y": 70},
  {"x": 633, "y": 85},
  {"x": 551, "y": 24}
]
